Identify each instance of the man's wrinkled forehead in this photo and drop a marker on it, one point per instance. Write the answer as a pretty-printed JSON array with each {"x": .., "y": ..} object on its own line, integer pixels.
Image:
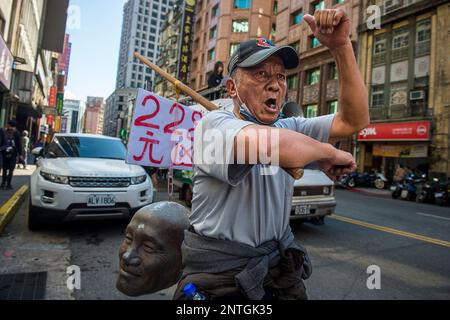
[{"x": 272, "y": 62}]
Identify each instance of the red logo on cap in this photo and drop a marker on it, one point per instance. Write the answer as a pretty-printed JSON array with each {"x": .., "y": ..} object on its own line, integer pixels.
[{"x": 264, "y": 43}]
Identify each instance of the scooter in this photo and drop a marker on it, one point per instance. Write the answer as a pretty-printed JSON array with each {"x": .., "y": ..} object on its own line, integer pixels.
[
  {"x": 441, "y": 196},
  {"x": 377, "y": 180},
  {"x": 407, "y": 189},
  {"x": 426, "y": 191}
]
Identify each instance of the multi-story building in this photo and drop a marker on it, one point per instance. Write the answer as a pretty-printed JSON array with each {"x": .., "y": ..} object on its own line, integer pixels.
[
  {"x": 73, "y": 111},
  {"x": 117, "y": 111},
  {"x": 141, "y": 26},
  {"x": 93, "y": 118},
  {"x": 406, "y": 66},
  {"x": 33, "y": 31},
  {"x": 220, "y": 26},
  {"x": 314, "y": 84},
  {"x": 175, "y": 46}
]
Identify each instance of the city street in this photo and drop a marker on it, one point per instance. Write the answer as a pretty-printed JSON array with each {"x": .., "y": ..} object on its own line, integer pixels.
[{"x": 409, "y": 242}]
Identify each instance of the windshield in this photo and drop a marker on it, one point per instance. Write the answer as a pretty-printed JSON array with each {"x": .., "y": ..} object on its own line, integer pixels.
[{"x": 86, "y": 147}]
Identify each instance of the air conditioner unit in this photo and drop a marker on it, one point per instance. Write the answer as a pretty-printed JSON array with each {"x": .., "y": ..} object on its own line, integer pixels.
[{"x": 417, "y": 95}]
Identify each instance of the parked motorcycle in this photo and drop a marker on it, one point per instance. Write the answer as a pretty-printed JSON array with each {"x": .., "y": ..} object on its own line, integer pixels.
[
  {"x": 374, "y": 179},
  {"x": 441, "y": 195},
  {"x": 407, "y": 189},
  {"x": 426, "y": 191}
]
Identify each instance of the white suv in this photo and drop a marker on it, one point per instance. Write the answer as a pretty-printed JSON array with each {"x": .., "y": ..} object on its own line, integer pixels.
[{"x": 83, "y": 177}]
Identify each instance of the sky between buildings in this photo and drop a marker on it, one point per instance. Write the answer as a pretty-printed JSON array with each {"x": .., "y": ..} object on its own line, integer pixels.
[{"x": 95, "y": 47}]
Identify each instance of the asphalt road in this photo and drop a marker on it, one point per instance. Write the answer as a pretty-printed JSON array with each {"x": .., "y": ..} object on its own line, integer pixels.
[{"x": 409, "y": 242}]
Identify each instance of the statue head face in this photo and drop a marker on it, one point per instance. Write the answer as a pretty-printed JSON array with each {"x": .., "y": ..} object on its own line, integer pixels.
[{"x": 150, "y": 254}]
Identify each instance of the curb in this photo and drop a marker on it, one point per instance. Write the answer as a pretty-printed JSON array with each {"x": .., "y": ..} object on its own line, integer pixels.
[
  {"x": 374, "y": 194},
  {"x": 10, "y": 208}
]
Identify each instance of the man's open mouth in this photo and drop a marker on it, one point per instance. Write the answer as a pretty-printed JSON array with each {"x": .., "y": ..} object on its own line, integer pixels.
[{"x": 271, "y": 104}]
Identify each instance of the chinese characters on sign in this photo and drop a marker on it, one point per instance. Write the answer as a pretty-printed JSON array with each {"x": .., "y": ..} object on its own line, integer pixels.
[
  {"x": 186, "y": 36},
  {"x": 162, "y": 133}
]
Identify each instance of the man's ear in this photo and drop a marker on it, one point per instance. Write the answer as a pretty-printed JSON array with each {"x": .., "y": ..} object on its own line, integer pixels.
[{"x": 231, "y": 88}]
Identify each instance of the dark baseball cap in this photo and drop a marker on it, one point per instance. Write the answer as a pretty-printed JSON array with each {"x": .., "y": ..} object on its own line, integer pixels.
[{"x": 254, "y": 51}]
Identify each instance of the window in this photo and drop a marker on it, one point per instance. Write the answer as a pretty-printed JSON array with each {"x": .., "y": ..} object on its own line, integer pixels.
[
  {"x": 313, "y": 76},
  {"x": 423, "y": 37},
  {"x": 400, "y": 39},
  {"x": 338, "y": 1},
  {"x": 233, "y": 48},
  {"x": 296, "y": 17},
  {"x": 240, "y": 26},
  {"x": 213, "y": 33},
  {"x": 400, "y": 42},
  {"x": 314, "y": 42},
  {"x": 296, "y": 46},
  {"x": 212, "y": 55},
  {"x": 311, "y": 111},
  {"x": 333, "y": 107},
  {"x": 379, "y": 46},
  {"x": 242, "y": 4},
  {"x": 377, "y": 97},
  {"x": 333, "y": 75},
  {"x": 215, "y": 10},
  {"x": 292, "y": 82},
  {"x": 320, "y": 5},
  {"x": 275, "y": 7}
]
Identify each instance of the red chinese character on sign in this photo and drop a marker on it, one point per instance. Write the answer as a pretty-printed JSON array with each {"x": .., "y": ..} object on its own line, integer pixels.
[{"x": 149, "y": 142}]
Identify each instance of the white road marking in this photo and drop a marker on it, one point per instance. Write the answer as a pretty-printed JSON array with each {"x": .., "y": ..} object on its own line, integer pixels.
[{"x": 431, "y": 215}]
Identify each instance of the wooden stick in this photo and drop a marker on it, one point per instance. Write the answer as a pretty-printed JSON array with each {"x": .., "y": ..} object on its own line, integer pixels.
[{"x": 295, "y": 173}]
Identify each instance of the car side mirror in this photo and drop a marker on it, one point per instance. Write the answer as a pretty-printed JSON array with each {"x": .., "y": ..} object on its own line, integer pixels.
[{"x": 37, "y": 151}]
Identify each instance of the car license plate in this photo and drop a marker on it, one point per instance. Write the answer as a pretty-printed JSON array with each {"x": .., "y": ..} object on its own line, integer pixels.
[
  {"x": 101, "y": 200},
  {"x": 302, "y": 210},
  {"x": 404, "y": 194}
]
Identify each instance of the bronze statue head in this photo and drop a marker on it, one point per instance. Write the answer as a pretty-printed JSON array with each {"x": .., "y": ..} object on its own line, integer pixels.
[{"x": 150, "y": 254}]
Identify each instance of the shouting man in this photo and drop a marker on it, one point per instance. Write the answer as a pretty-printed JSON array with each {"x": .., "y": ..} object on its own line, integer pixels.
[{"x": 239, "y": 244}]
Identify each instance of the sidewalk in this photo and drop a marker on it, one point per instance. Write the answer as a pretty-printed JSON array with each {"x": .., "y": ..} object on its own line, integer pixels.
[
  {"x": 21, "y": 177},
  {"x": 12, "y": 200}
]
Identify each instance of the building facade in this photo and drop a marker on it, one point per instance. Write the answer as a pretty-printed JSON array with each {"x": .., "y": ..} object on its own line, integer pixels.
[
  {"x": 220, "y": 26},
  {"x": 141, "y": 27},
  {"x": 93, "y": 119},
  {"x": 73, "y": 111},
  {"x": 406, "y": 67},
  {"x": 33, "y": 31},
  {"x": 175, "y": 46},
  {"x": 117, "y": 111}
]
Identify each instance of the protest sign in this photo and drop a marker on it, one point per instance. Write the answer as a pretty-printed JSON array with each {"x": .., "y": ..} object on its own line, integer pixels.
[{"x": 162, "y": 133}]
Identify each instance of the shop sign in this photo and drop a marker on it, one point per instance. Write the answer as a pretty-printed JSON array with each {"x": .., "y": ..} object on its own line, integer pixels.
[
  {"x": 400, "y": 151},
  {"x": 404, "y": 131}
]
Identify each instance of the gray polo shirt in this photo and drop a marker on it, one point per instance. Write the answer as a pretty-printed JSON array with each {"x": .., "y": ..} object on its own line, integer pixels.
[{"x": 238, "y": 202}]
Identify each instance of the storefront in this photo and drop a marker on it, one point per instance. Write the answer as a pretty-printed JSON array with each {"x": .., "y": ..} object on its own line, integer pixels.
[{"x": 384, "y": 145}]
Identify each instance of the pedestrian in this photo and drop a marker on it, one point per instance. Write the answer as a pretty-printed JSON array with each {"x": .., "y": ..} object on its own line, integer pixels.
[
  {"x": 400, "y": 174},
  {"x": 215, "y": 79},
  {"x": 239, "y": 244},
  {"x": 10, "y": 146},
  {"x": 25, "y": 149}
]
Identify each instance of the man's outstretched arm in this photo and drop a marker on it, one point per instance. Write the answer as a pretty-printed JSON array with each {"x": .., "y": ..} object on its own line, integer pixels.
[{"x": 332, "y": 28}]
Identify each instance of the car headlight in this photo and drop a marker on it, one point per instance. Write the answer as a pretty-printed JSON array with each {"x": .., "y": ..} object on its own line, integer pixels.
[
  {"x": 327, "y": 190},
  {"x": 138, "y": 180},
  {"x": 55, "y": 178}
]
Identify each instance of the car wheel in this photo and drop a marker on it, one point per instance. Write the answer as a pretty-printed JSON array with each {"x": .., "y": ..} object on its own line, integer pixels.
[
  {"x": 188, "y": 196},
  {"x": 379, "y": 184},
  {"x": 351, "y": 183},
  {"x": 34, "y": 223}
]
